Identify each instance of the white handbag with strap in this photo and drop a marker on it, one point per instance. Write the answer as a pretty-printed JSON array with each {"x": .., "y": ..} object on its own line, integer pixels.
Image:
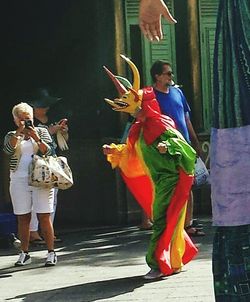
[{"x": 50, "y": 172}]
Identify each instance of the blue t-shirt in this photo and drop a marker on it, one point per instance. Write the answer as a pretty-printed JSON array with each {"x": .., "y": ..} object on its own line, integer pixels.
[{"x": 174, "y": 104}]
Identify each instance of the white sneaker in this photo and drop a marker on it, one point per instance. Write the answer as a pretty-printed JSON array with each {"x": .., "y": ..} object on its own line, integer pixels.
[
  {"x": 51, "y": 259},
  {"x": 153, "y": 274},
  {"x": 23, "y": 259}
]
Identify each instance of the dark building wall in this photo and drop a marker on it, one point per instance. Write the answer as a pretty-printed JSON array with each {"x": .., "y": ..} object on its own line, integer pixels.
[
  {"x": 62, "y": 44},
  {"x": 181, "y": 31},
  {"x": 92, "y": 199},
  {"x": 188, "y": 57}
]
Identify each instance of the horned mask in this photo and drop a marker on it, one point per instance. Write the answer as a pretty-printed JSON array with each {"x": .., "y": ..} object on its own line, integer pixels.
[{"x": 130, "y": 96}]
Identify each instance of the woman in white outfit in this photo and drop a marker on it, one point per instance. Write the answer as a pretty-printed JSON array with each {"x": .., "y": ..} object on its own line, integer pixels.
[
  {"x": 41, "y": 103},
  {"x": 20, "y": 145}
]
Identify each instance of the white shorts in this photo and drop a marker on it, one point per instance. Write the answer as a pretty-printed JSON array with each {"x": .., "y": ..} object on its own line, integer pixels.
[{"x": 25, "y": 198}]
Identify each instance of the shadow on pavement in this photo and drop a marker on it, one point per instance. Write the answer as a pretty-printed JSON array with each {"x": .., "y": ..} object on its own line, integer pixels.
[
  {"x": 113, "y": 247},
  {"x": 88, "y": 292},
  {"x": 5, "y": 276}
]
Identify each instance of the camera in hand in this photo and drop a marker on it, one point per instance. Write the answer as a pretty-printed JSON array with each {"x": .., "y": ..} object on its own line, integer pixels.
[{"x": 28, "y": 123}]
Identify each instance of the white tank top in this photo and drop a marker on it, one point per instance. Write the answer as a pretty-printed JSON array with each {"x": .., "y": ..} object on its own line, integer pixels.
[{"x": 26, "y": 156}]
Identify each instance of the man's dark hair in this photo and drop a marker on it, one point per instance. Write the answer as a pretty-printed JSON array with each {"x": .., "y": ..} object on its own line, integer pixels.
[{"x": 157, "y": 68}]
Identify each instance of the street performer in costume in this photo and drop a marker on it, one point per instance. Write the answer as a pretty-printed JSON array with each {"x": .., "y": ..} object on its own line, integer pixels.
[{"x": 157, "y": 165}]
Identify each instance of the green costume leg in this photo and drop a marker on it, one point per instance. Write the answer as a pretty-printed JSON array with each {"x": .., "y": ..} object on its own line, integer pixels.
[
  {"x": 164, "y": 191},
  {"x": 164, "y": 171}
]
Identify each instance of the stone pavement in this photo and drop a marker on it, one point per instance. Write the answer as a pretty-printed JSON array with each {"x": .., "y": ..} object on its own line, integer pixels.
[{"x": 104, "y": 265}]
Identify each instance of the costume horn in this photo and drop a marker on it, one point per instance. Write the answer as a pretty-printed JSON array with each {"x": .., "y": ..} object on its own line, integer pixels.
[
  {"x": 121, "y": 89},
  {"x": 136, "y": 75}
]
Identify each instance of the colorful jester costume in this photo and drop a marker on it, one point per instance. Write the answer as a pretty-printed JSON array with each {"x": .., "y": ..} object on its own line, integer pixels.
[{"x": 160, "y": 182}]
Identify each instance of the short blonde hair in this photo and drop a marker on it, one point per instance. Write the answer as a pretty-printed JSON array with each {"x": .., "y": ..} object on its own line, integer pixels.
[{"x": 22, "y": 108}]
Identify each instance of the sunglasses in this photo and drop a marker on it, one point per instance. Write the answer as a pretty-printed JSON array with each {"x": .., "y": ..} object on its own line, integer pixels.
[{"x": 169, "y": 73}]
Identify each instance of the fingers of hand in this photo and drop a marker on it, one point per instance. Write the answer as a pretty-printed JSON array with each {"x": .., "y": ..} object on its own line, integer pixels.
[
  {"x": 32, "y": 132},
  {"x": 21, "y": 125},
  {"x": 159, "y": 30},
  {"x": 64, "y": 127},
  {"x": 167, "y": 15},
  {"x": 151, "y": 31},
  {"x": 55, "y": 128},
  {"x": 63, "y": 121},
  {"x": 143, "y": 28},
  {"x": 26, "y": 131}
]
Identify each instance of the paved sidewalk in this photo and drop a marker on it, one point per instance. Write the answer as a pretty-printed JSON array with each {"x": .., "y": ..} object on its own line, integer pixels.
[{"x": 104, "y": 265}]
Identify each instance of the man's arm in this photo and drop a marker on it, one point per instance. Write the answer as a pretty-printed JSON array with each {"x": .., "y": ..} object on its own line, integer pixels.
[
  {"x": 150, "y": 12},
  {"x": 193, "y": 137}
]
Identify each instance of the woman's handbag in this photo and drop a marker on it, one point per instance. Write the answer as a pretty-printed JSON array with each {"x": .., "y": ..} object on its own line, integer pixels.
[
  {"x": 201, "y": 174},
  {"x": 50, "y": 172}
]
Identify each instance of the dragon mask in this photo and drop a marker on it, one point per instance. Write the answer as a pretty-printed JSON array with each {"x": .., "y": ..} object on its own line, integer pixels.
[{"x": 130, "y": 96}]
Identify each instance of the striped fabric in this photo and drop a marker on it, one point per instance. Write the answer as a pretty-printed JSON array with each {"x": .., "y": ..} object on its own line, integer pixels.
[{"x": 15, "y": 154}]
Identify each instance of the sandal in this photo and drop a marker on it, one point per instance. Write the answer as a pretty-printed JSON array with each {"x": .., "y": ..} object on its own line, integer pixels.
[
  {"x": 194, "y": 232},
  {"x": 196, "y": 224}
]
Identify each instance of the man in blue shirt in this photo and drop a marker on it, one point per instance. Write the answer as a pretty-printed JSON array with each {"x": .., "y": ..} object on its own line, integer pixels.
[{"x": 174, "y": 104}]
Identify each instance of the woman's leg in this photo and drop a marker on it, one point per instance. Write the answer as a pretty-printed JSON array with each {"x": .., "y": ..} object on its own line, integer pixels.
[
  {"x": 43, "y": 205},
  {"x": 24, "y": 230},
  {"x": 47, "y": 229},
  {"x": 54, "y": 206},
  {"x": 54, "y": 213},
  {"x": 190, "y": 229},
  {"x": 189, "y": 212},
  {"x": 22, "y": 204},
  {"x": 34, "y": 235}
]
